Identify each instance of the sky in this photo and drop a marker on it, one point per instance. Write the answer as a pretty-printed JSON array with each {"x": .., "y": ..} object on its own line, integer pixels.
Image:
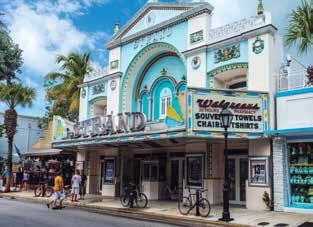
[{"x": 46, "y": 28}]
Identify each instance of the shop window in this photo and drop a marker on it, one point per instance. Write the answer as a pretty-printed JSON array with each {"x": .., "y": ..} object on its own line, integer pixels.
[
  {"x": 238, "y": 85},
  {"x": 165, "y": 102},
  {"x": 301, "y": 174},
  {"x": 151, "y": 171},
  {"x": 194, "y": 167}
]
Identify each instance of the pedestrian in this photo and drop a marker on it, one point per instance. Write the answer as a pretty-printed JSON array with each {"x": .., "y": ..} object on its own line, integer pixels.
[
  {"x": 58, "y": 194},
  {"x": 1, "y": 183},
  {"x": 25, "y": 180},
  {"x": 76, "y": 181},
  {"x": 83, "y": 185},
  {"x": 19, "y": 178}
]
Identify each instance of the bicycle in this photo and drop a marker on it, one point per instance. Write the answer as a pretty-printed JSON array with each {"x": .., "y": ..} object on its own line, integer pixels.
[
  {"x": 132, "y": 195},
  {"x": 187, "y": 203},
  {"x": 171, "y": 194},
  {"x": 44, "y": 190}
]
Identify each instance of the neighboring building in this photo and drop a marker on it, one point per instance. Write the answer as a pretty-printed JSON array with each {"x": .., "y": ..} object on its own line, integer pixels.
[
  {"x": 169, "y": 65},
  {"x": 293, "y": 141},
  {"x": 28, "y": 133}
]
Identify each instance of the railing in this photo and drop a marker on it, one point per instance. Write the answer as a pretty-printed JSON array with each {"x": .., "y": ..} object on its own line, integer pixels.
[
  {"x": 236, "y": 28},
  {"x": 292, "y": 75}
]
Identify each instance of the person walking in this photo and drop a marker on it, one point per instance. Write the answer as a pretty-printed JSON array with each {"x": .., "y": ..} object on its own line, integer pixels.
[
  {"x": 25, "y": 180},
  {"x": 19, "y": 178},
  {"x": 82, "y": 190},
  {"x": 58, "y": 194},
  {"x": 76, "y": 181}
]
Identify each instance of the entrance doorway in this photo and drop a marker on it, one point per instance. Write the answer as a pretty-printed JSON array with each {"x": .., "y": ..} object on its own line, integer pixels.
[
  {"x": 177, "y": 169},
  {"x": 238, "y": 174}
]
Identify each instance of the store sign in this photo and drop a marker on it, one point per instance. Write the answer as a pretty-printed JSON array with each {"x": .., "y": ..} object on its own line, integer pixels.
[
  {"x": 100, "y": 126},
  {"x": 109, "y": 170},
  {"x": 258, "y": 171},
  {"x": 248, "y": 113}
]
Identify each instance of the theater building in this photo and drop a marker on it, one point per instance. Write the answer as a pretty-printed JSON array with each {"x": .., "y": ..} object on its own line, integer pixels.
[{"x": 152, "y": 116}]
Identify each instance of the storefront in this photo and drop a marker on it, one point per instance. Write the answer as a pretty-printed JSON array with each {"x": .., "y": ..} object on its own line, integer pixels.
[
  {"x": 152, "y": 116},
  {"x": 293, "y": 150}
]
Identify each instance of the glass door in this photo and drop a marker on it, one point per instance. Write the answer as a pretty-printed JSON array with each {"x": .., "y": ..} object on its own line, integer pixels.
[{"x": 238, "y": 174}]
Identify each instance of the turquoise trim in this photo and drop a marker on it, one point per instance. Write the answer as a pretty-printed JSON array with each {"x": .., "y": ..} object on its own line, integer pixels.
[
  {"x": 291, "y": 131},
  {"x": 156, "y": 91},
  {"x": 294, "y": 92}
]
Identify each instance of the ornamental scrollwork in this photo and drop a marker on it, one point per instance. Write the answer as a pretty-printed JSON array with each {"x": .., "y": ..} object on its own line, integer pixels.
[
  {"x": 227, "y": 53},
  {"x": 98, "y": 89}
]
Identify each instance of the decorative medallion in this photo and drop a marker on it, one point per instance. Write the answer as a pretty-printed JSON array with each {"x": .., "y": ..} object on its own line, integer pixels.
[
  {"x": 98, "y": 89},
  {"x": 150, "y": 19},
  {"x": 258, "y": 46},
  {"x": 195, "y": 62},
  {"x": 113, "y": 85},
  {"x": 196, "y": 37},
  {"x": 83, "y": 93},
  {"x": 164, "y": 72},
  {"x": 227, "y": 53},
  {"x": 114, "y": 64}
]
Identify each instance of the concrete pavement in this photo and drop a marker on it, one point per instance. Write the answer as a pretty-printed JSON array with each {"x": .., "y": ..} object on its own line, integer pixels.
[
  {"x": 15, "y": 213},
  {"x": 167, "y": 212}
]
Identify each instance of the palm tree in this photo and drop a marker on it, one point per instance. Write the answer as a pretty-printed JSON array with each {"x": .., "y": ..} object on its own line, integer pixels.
[
  {"x": 63, "y": 91},
  {"x": 300, "y": 28},
  {"x": 13, "y": 95}
]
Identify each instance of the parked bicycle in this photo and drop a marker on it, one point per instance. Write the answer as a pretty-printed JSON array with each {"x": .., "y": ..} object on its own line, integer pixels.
[
  {"x": 187, "y": 203},
  {"x": 133, "y": 195},
  {"x": 43, "y": 190},
  {"x": 171, "y": 194}
]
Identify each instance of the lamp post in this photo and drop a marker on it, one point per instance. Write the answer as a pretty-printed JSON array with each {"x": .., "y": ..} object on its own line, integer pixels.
[{"x": 226, "y": 118}]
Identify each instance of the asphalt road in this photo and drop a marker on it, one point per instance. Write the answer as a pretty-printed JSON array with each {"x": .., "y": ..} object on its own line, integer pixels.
[{"x": 19, "y": 214}]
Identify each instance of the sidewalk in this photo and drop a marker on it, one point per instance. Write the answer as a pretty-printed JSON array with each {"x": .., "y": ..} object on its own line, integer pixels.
[{"x": 167, "y": 212}]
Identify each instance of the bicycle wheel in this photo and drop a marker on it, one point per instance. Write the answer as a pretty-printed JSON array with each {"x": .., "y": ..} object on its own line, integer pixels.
[
  {"x": 48, "y": 192},
  {"x": 124, "y": 200},
  {"x": 37, "y": 191},
  {"x": 204, "y": 207},
  {"x": 141, "y": 200},
  {"x": 184, "y": 205}
]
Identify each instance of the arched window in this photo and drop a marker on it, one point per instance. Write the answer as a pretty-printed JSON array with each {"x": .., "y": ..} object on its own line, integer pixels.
[{"x": 165, "y": 101}]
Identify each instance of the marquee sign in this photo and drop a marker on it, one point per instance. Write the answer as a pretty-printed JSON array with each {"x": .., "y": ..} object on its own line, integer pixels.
[
  {"x": 100, "y": 126},
  {"x": 248, "y": 113}
]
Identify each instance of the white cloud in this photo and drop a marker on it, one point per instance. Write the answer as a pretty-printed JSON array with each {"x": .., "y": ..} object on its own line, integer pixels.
[{"x": 42, "y": 31}]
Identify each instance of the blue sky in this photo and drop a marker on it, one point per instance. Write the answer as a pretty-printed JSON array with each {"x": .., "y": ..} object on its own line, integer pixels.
[{"x": 45, "y": 28}]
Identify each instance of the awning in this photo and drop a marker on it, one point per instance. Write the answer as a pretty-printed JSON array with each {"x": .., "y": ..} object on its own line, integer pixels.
[{"x": 43, "y": 152}]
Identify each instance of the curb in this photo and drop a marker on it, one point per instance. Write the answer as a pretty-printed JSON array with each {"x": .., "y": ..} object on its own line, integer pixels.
[{"x": 137, "y": 214}]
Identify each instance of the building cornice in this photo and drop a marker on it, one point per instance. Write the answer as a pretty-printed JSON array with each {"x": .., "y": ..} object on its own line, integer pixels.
[
  {"x": 203, "y": 8},
  {"x": 245, "y": 35},
  {"x": 104, "y": 78}
]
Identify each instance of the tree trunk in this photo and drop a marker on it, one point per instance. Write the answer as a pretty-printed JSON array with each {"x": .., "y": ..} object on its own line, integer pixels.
[
  {"x": 10, "y": 124},
  {"x": 9, "y": 165}
]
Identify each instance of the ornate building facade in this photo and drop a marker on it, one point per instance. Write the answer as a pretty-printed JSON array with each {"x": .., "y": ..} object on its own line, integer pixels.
[{"x": 152, "y": 116}]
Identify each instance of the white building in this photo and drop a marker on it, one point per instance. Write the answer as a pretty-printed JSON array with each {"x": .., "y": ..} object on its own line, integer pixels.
[{"x": 163, "y": 65}]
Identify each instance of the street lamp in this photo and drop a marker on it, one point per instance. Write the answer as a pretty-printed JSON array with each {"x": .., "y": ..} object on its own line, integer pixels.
[{"x": 226, "y": 118}]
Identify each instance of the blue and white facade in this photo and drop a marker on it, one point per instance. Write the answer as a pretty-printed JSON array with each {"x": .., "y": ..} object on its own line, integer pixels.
[
  {"x": 293, "y": 140},
  {"x": 168, "y": 63}
]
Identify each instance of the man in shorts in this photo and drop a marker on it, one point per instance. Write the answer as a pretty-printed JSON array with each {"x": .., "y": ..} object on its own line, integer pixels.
[
  {"x": 58, "y": 194},
  {"x": 76, "y": 181}
]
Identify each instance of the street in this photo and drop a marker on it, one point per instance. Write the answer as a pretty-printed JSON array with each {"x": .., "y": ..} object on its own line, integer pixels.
[{"x": 15, "y": 213}]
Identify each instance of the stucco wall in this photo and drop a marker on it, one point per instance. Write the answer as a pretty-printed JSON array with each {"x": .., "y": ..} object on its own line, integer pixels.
[
  {"x": 295, "y": 111},
  {"x": 254, "y": 194}
]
